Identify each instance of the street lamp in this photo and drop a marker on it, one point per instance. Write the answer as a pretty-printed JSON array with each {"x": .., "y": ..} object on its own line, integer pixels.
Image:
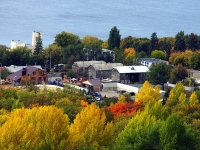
[
  {"x": 0, "y": 73},
  {"x": 13, "y": 80},
  {"x": 35, "y": 63}
]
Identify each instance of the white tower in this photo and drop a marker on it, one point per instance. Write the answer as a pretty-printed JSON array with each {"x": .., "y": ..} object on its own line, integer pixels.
[{"x": 35, "y": 35}]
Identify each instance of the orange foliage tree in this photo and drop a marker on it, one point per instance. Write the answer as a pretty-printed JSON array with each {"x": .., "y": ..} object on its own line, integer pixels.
[{"x": 127, "y": 108}]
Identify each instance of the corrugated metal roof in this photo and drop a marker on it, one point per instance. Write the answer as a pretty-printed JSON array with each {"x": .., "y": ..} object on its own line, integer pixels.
[
  {"x": 107, "y": 66},
  {"x": 132, "y": 69},
  {"x": 87, "y": 63}
]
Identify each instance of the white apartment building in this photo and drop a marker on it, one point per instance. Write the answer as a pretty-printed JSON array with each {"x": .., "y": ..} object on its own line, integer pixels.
[
  {"x": 14, "y": 44},
  {"x": 35, "y": 35}
]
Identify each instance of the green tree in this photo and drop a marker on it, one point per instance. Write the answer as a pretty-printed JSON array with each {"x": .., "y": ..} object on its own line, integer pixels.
[
  {"x": 180, "y": 42},
  {"x": 141, "y": 133},
  {"x": 54, "y": 53},
  {"x": 194, "y": 61},
  {"x": 158, "y": 54},
  {"x": 64, "y": 39},
  {"x": 192, "y": 42},
  {"x": 38, "y": 47},
  {"x": 175, "y": 134},
  {"x": 159, "y": 74},
  {"x": 114, "y": 38}
]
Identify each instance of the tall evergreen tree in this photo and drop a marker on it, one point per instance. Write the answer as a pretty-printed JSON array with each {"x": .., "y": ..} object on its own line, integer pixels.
[
  {"x": 39, "y": 47},
  {"x": 154, "y": 42},
  {"x": 180, "y": 42},
  {"x": 114, "y": 38},
  {"x": 193, "y": 42}
]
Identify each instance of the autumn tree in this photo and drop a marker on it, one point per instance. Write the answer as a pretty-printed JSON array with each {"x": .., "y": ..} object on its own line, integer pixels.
[
  {"x": 126, "y": 42},
  {"x": 147, "y": 93},
  {"x": 130, "y": 54},
  {"x": 175, "y": 93},
  {"x": 91, "y": 42},
  {"x": 89, "y": 129},
  {"x": 178, "y": 73},
  {"x": 127, "y": 108},
  {"x": 159, "y": 74},
  {"x": 193, "y": 100},
  {"x": 37, "y": 128},
  {"x": 114, "y": 38}
]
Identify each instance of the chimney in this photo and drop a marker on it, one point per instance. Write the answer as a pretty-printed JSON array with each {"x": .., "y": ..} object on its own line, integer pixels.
[{"x": 24, "y": 71}]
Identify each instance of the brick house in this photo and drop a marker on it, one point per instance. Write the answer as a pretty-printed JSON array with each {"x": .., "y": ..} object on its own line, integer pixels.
[{"x": 27, "y": 75}]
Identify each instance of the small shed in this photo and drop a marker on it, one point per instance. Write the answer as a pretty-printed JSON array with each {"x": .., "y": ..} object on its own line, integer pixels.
[{"x": 96, "y": 84}]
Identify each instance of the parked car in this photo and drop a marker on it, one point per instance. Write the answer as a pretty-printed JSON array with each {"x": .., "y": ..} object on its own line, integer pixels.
[
  {"x": 106, "y": 80},
  {"x": 121, "y": 91}
]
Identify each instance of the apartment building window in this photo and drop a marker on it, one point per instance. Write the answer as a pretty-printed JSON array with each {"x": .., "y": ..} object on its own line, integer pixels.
[
  {"x": 34, "y": 73},
  {"x": 39, "y": 78}
]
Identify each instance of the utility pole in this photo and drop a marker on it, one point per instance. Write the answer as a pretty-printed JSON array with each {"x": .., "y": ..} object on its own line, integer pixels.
[{"x": 0, "y": 74}]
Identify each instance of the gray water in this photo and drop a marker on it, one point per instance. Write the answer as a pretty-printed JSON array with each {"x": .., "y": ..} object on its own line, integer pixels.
[{"x": 139, "y": 18}]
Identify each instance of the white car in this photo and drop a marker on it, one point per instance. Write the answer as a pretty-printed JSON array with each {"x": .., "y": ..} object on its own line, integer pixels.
[{"x": 106, "y": 80}]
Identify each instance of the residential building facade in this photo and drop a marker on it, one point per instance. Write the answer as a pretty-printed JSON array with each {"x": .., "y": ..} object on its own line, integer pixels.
[{"x": 129, "y": 74}]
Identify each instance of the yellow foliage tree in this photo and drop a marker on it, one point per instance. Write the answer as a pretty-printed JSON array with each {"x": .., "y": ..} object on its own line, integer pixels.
[
  {"x": 37, "y": 128},
  {"x": 174, "y": 94},
  {"x": 148, "y": 93},
  {"x": 130, "y": 54},
  {"x": 193, "y": 99},
  {"x": 105, "y": 44},
  {"x": 183, "y": 99},
  {"x": 89, "y": 130},
  {"x": 87, "y": 41},
  {"x": 122, "y": 98}
]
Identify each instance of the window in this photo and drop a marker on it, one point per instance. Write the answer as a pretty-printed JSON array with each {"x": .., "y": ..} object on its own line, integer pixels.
[
  {"x": 39, "y": 78},
  {"x": 34, "y": 73},
  {"x": 32, "y": 78},
  {"x": 40, "y": 73}
]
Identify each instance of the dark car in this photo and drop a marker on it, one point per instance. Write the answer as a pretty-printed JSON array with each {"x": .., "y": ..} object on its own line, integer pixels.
[{"x": 121, "y": 91}]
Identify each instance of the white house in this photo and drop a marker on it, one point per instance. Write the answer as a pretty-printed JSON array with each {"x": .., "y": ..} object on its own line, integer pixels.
[{"x": 150, "y": 61}]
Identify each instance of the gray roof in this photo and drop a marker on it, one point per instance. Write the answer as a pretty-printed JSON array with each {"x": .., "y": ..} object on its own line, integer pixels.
[
  {"x": 107, "y": 66},
  {"x": 87, "y": 63},
  {"x": 17, "y": 75},
  {"x": 14, "y": 68},
  {"x": 153, "y": 60}
]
